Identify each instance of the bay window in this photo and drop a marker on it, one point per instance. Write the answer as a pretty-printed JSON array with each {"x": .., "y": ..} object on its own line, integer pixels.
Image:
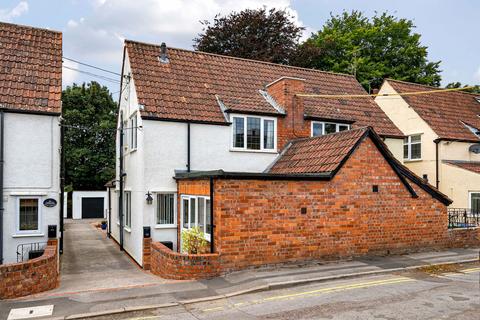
[
  {"x": 254, "y": 133},
  {"x": 322, "y": 128},
  {"x": 412, "y": 147},
  {"x": 196, "y": 213}
]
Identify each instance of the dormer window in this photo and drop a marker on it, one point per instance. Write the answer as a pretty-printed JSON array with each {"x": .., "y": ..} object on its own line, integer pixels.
[
  {"x": 253, "y": 133},
  {"x": 322, "y": 128}
]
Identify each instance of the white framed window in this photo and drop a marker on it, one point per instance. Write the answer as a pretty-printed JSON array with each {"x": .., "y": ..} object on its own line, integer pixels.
[
  {"x": 29, "y": 218},
  {"x": 127, "y": 210},
  {"x": 196, "y": 213},
  {"x": 253, "y": 133},
  {"x": 166, "y": 209},
  {"x": 412, "y": 147},
  {"x": 132, "y": 128},
  {"x": 319, "y": 128},
  {"x": 474, "y": 200}
]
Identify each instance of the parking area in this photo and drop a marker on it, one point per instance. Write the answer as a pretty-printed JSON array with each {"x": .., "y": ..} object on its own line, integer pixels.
[{"x": 91, "y": 261}]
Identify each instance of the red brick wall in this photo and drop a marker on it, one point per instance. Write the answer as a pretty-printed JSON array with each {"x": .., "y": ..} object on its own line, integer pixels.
[
  {"x": 259, "y": 222},
  {"x": 458, "y": 238},
  {"x": 293, "y": 125},
  {"x": 173, "y": 265},
  {"x": 147, "y": 252},
  {"x": 32, "y": 276}
]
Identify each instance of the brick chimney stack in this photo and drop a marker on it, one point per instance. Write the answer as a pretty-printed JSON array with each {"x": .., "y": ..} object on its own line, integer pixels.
[{"x": 292, "y": 126}]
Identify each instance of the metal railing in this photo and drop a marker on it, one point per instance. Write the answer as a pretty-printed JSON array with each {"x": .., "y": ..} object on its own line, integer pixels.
[
  {"x": 463, "y": 218},
  {"x": 27, "y": 251}
]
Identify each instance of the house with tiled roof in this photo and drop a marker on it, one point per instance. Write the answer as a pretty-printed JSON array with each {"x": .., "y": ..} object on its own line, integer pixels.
[
  {"x": 30, "y": 108},
  {"x": 442, "y": 142},
  {"x": 183, "y": 112}
]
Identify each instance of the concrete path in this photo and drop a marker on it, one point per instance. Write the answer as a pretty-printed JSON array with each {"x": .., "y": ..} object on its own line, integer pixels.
[
  {"x": 152, "y": 293},
  {"x": 91, "y": 261}
]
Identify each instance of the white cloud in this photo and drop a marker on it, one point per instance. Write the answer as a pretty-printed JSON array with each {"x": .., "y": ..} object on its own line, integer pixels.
[
  {"x": 477, "y": 75},
  {"x": 69, "y": 76},
  {"x": 18, "y": 10}
]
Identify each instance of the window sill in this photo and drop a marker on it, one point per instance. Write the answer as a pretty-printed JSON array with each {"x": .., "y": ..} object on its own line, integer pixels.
[
  {"x": 127, "y": 229},
  {"x": 165, "y": 226},
  {"x": 412, "y": 160},
  {"x": 254, "y": 151},
  {"x": 27, "y": 235}
]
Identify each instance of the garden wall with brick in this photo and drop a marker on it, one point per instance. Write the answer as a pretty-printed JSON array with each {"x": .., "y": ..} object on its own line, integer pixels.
[
  {"x": 32, "y": 276},
  {"x": 173, "y": 265},
  {"x": 463, "y": 238}
]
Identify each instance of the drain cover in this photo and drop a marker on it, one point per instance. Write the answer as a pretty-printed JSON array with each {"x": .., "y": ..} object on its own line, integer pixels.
[{"x": 30, "y": 312}]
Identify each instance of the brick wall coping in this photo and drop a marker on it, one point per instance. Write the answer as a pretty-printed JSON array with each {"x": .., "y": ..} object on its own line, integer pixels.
[
  {"x": 32, "y": 276},
  {"x": 166, "y": 250}
]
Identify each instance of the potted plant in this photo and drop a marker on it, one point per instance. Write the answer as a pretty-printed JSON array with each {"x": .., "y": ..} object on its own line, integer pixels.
[{"x": 104, "y": 225}]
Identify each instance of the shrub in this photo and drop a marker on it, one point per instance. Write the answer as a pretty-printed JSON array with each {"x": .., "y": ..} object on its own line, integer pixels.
[{"x": 193, "y": 241}]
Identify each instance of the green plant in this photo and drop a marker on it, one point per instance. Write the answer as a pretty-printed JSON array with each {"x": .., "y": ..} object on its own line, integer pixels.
[
  {"x": 193, "y": 241},
  {"x": 104, "y": 221}
]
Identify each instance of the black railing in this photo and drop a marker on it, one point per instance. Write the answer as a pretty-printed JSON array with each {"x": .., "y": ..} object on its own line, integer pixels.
[
  {"x": 463, "y": 218},
  {"x": 27, "y": 251}
]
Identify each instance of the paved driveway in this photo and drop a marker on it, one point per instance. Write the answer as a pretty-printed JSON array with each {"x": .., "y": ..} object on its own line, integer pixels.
[{"x": 91, "y": 261}]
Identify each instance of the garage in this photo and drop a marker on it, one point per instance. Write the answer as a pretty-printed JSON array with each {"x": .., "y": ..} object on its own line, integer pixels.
[{"x": 89, "y": 204}]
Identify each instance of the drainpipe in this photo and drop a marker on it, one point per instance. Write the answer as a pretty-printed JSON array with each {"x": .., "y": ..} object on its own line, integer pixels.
[
  {"x": 120, "y": 198},
  {"x": 62, "y": 181},
  {"x": 109, "y": 230},
  {"x": 212, "y": 238},
  {"x": 2, "y": 141},
  {"x": 188, "y": 147},
  {"x": 437, "y": 183}
]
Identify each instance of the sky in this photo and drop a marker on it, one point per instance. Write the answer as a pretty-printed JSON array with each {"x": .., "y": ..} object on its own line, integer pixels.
[{"x": 94, "y": 30}]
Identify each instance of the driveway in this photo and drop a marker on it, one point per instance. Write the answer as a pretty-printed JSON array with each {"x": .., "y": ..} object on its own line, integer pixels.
[{"x": 91, "y": 261}]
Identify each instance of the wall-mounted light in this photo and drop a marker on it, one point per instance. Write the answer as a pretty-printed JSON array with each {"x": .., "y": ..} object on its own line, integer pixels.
[{"x": 149, "y": 198}]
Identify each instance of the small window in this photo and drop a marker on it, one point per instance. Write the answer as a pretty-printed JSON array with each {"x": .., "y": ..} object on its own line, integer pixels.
[
  {"x": 133, "y": 132},
  {"x": 412, "y": 147},
  {"x": 165, "y": 209},
  {"x": 28, "y": 215},
  {"x": 322, "y": 128},
  {"x": 475, "y": 201},
  {"x": 253, "y": 133},
  {"x": 128, "y": 209}
]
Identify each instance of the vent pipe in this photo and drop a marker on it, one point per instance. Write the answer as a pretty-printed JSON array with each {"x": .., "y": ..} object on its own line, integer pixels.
[{"x": 163, "y": 53}]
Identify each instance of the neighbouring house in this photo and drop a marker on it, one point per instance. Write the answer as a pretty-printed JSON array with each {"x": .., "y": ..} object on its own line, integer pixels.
[
  {"x": 328, "y": 197},
  {"x": 30, "y": 108},
  {"x": 185, "y": 111},
  {"x": 442, "y": 142}
]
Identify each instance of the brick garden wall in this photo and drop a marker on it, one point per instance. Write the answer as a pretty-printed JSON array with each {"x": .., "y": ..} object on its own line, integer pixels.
[
  {"x": 458, "y": 238},
  {"x": 260, "y": 222},
  {"x": 32, "y": 276},
  {"x": 173, "y": 265}
]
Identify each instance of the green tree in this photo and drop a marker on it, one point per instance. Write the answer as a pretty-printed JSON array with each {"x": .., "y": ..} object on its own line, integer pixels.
[
  {"x": 371, "y": 49},
  {"x": 475, "y": 89},
  {"x": 253, "y": 34},
  {"x": 89, "y": 114}
]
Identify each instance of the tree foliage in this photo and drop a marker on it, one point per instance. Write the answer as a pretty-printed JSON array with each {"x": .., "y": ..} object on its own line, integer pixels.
[
  {"x": 371, "y": 49},
  {"x": 253, "y": 34},
  {"x": 89, "y": 114},
  {"x": 475, "y": 89}
]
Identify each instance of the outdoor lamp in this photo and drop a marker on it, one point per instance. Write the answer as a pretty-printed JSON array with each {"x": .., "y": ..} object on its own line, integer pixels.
[{"x": 149, "y": 198}]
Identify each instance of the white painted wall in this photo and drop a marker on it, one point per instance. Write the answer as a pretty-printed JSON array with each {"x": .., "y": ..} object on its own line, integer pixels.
[
  {"x": 32, "y": 160},
  {"x": 77, "y": 197}
]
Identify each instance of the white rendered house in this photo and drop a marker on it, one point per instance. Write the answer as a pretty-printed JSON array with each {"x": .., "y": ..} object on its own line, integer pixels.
[
  {"x": 185, "y": 111},
  {"x": 30, "y": 108}
]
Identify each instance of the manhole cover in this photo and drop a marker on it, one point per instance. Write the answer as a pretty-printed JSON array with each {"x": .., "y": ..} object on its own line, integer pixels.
[{"x": 30, "y": 312}]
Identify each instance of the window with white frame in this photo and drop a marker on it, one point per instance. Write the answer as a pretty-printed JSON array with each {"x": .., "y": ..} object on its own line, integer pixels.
[
  {"x": 196, "y": 213},
  {"x": 412, "y": 147},
  {"x": 133, "y": 132},
  {"x": 28, "y": 214},
  {"x": 127, "y": 211},
  {"x": 322, "y": 128},
  {"x": 254, "y": 133},
  {"x": 165, "y": 209},
  {"x": 474, "y": 201}
]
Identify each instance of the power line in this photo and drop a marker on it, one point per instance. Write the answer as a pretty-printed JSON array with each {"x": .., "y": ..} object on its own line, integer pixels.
[
  {"x": 337, "y": 96},
  {"x": 92, "y": 66},
  {"x": 93, "y": 74}
]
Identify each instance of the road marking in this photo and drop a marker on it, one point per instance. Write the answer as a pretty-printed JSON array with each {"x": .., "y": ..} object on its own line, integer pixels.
[
  {"x": 212, "y": 309},
  {"x": 30, "y": 312},
  {"x": 343, "y": 287},
  {"x": 470, "y": 270}
]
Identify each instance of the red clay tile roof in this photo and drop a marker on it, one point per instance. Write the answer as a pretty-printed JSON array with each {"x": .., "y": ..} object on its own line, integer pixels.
[
  {"x": 473, "y": 166},
  {"x": 30, "y": 68},
  {"x": 185, "y": 88},
  {"x": 322, "y": 154},
  {"x": 444, "y": 111}
]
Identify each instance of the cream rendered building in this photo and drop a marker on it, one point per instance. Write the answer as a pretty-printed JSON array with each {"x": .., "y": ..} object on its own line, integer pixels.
[{"x": 443, "y": 137}]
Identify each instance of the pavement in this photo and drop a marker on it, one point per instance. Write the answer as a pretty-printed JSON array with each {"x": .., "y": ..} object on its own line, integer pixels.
[{"x": 113, "y": 283}]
